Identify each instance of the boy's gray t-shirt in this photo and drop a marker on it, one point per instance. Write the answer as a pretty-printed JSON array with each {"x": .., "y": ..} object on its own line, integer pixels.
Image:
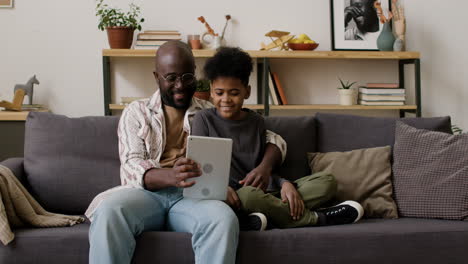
[{"x": 248, "y": 136}]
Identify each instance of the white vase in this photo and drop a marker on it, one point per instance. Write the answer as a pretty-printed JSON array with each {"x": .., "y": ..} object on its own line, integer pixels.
[{"x": 348, "y": 96}]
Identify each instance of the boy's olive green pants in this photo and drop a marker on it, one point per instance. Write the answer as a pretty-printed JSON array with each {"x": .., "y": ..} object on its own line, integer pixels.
[{"x": 315, "y": 190}]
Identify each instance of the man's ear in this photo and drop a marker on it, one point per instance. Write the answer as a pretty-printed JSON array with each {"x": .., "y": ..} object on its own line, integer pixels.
[
  {"x": 247, "y": 95},
  {"x": 156, "y": 75}
]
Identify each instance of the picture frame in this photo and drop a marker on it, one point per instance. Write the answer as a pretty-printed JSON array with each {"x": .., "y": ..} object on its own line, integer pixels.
[
  {"x": 352, "y": 31},
  {"x": 6, "y": 3}
]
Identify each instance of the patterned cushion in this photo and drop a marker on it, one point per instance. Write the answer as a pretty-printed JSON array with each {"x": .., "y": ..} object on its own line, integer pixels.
[{"x": 430, "y": 173}]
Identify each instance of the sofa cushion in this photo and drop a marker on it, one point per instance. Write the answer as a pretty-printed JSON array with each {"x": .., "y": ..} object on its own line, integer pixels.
[
  {"x": 430, "y": 173},
  {"x": 299, "y": 134},
  {"x": 68, "y": 161},
  {"x": 337, "y": 132},
  {"x": 405, "y": 240},
  {"x": 363, "y": 175}
]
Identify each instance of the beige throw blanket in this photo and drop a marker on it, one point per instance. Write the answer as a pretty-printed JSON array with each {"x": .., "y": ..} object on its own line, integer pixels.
[{"x": 18, "y": 208}]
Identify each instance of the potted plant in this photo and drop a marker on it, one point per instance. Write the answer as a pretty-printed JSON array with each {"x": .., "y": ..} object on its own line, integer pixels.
[
  {"x": 119, "y": 25},
  {"x": 203, "y": 89},
  {"x": 348, "y": 95}
]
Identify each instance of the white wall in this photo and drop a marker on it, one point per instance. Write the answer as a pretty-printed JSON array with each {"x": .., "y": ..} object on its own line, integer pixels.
[{"x": 59, "y": 41}]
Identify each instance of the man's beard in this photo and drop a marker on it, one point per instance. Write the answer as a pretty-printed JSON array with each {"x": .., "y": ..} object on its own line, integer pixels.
[{"x": 167, "y": 97}]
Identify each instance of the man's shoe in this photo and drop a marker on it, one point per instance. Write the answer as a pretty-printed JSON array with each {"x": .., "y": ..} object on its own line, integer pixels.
[
  {"x": 347, "y": 212},
  {"x": 254, "y": 222}
]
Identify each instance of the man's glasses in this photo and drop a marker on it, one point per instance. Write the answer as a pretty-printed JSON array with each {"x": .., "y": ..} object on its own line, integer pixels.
[{"x": 186, "y": 78}]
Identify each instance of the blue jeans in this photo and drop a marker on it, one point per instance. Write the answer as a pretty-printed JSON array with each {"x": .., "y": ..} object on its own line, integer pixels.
[{"x": 129, "y": 212}]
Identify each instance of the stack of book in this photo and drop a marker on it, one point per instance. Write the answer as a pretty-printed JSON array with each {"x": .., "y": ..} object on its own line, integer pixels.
[
  {"x": 152, "y": 39},
  {"x": 33, "y": 107},
  {"x": 381, "y": 94}
]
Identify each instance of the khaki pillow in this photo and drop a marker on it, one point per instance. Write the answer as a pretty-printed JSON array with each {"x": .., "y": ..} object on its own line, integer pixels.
[{"x": 363, "y": 175}]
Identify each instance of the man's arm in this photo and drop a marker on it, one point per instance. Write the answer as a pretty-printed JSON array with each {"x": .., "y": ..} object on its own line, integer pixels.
[
  {"x": 134, "y": 158},
  {"x": 155, "y": 179}
]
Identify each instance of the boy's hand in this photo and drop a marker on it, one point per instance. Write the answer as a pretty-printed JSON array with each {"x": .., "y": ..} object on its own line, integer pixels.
[
  {"x": 258, "y": 177},
  {"x": 291, "y": 195},
  {"x": 233, "y": 199},
  {"x": 185, "y": 169}
]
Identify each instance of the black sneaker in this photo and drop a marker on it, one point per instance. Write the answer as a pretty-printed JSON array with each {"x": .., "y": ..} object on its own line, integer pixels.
[
  {"x": 254, "y": 222},
  {"x": 347, "y": 212}
]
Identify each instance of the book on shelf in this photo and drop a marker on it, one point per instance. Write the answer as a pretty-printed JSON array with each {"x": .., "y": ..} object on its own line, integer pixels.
[
  {"x": 273, "y": 92},
  {"x": 382, "y": 97},
  {"x": 363, "y": 102},
  {"x": 382, "y": 85},
  {"x": 150, "y": 42},
  {"x": 33, "y": 107},
  {"x": 162, "y": 32},
  {"x": 390, "y": 91},
  {"x": 279, "y": 88},
  {"x": 146, "y": 47},
  {"x": 151, "y": 36}
]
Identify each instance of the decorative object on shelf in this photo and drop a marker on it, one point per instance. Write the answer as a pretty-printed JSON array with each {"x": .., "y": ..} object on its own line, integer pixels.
[
  {"x": 386, "y": 39},
  {"x": 6, "y": 3},
  {"x": 194, "y": 41},
  {"x": 302, "y": 42},
  {"x": 348, "y": 95},
  {"x": 119, "y": 25},
  {"x": 279, "y": 39},
  {"x": 17, "y": 101},
  {"x": 399, "y": 25},
  {"x": 28, "y": 88},
  {"x": 355, "y": 24},
  {"x": 210, "y": 39},
  {"x": 203, "y": 89}
]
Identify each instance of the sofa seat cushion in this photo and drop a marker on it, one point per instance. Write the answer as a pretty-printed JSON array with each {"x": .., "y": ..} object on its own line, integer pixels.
[
  {"x": 68, "y": 161},
  {"x": 404, "y": 240}
]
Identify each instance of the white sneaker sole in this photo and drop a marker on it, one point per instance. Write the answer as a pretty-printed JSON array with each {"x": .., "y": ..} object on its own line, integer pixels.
[
  {"x": 263, "y": 219},
  {"x": 355, "y": 205}
]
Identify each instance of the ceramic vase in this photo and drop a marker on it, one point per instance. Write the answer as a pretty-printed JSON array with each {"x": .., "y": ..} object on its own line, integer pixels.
[{"x": 386, "y": 39}]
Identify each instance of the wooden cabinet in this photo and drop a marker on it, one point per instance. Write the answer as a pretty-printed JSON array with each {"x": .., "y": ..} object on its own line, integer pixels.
[{"x": 266, "y": 57}]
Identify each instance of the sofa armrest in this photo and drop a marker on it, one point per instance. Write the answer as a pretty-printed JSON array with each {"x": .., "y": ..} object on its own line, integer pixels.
[{"x": 16, "y": 165}]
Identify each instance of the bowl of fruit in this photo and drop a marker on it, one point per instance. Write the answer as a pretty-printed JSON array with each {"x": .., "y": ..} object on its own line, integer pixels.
[{"x": 302, "y": 42}]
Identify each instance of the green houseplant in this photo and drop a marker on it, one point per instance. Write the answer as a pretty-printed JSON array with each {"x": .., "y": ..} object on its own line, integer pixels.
[
  {"x": 203, "y": 89},
  {"x": 119, "y": 25},
  {"x": 348, "y": 95}
]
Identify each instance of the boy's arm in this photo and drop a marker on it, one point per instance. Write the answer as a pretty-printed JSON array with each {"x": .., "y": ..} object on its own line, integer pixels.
[
  {"x": 199, "y": 127},
  {"x": 260, "y": 176}
]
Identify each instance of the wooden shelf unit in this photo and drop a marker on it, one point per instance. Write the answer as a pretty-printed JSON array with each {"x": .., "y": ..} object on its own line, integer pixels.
[
  {"x": 312, "y": 107},
  {"x": 404, "y": 58},
  {"x": 17, "y": 115}
]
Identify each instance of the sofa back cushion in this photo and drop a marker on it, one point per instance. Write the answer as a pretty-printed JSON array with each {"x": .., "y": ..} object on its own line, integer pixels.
[
  {"x": 68, "y": 161},
  {"x": 299, "y": 134},
  {"x": 337, "y": 132}
]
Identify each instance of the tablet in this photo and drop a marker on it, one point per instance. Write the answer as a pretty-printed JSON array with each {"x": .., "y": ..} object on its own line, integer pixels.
[{"x": 214, "y": 156}]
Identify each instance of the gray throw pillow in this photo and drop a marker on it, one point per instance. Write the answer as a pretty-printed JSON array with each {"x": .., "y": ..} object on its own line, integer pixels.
[{"x": 430, "y": 173}]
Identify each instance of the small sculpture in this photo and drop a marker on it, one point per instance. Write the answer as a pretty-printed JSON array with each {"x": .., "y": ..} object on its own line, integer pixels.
[
  {"x": 279, "y": 39},
  {"x": 17, "y": 101},
  {"x": 28, "y": 88}
]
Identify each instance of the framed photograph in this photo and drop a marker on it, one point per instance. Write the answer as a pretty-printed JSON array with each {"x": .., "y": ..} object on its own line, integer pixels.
[
  {"x": 355, "y": 24},
  {"x": 6, "y": 3}
]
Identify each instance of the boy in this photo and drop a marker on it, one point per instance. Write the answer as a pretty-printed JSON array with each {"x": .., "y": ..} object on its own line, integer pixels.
[{"x": 228, "y": 72}]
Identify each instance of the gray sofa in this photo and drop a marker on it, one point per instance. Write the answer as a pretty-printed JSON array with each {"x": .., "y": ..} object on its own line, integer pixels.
[{"x": 68, "y": 161}]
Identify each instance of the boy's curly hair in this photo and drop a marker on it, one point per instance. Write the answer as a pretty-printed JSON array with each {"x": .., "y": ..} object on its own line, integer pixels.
[{"x": 229, "y": 62}]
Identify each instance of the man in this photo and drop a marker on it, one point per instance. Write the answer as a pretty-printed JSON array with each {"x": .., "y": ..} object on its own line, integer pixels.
[
  {"x": 152, "y": 143},
  {"x": 366, "y": 21}
]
